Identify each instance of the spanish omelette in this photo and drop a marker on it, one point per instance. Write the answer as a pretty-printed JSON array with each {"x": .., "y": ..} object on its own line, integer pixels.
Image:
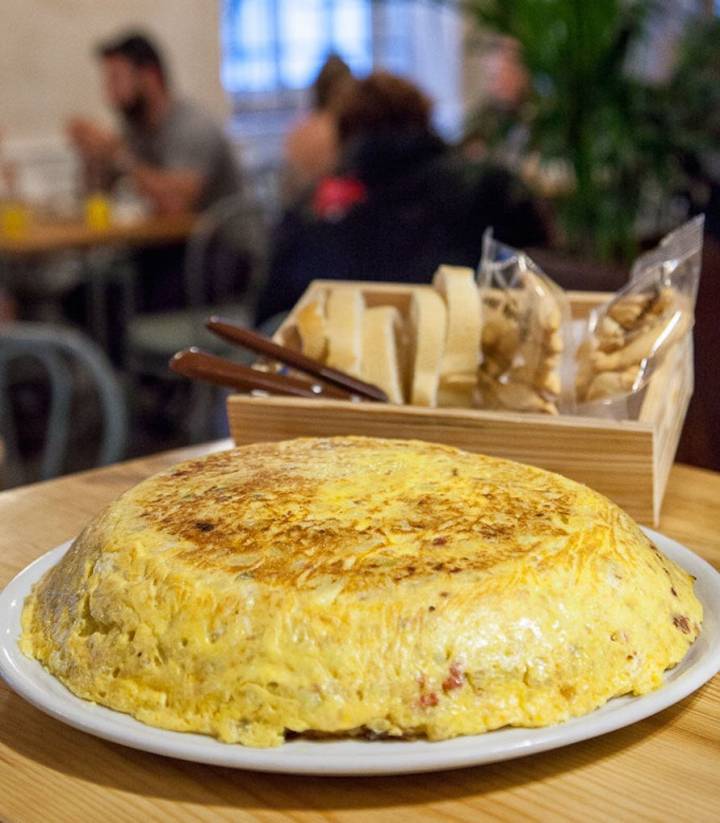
[{"x": 350, "y": 585}]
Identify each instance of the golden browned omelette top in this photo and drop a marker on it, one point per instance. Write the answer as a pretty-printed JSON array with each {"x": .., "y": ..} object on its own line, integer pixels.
[{"x": 369, "y": 511}]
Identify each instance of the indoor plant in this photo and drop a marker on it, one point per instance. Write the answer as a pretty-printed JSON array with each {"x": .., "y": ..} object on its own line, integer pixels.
[{"x": 585, "y": 108}]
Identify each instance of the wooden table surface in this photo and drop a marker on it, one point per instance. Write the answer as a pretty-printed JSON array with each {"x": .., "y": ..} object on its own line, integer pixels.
[
  {"x": 664, "y": 768},
  {"x": 46, "y": 237}
]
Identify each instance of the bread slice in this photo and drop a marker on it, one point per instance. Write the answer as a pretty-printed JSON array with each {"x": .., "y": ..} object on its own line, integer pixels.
[
  {"x": 311, "y": 325},
  {"x": 428, "y": 323},
  {"x": 456, "y": 285},
  {"x": 457, "y": 391},
  {"x": 381, "y": 351},
  {"x": 461, "y": 358},
  {"x": 343, "y": 319}
]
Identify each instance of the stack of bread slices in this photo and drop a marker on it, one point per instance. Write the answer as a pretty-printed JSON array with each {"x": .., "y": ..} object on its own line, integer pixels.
[{"x": 430, "y": 358}]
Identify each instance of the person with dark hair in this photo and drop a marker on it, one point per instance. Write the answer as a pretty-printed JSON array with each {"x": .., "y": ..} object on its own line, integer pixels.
[
  {"x": 311, "y": 149},
  {"x": 177, "y": 156},
  {"x": 402, "y": 202},
  {"x": 333, "y": 72},
  {"x": 382, "y": 103}
]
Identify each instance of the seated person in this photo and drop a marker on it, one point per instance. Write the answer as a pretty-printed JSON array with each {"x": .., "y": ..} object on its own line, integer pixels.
[
  {"x": 402, "y": 204},
  {"x": 311, "y": 148},
  {"x": 174, "y": 152}
]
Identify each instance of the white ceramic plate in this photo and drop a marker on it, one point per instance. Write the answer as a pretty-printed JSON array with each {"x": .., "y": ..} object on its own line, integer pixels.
[{"x": 357, "y": 757}]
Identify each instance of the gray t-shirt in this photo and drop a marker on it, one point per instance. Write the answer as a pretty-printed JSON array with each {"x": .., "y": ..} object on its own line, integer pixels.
[{"x": 188, "y": 138}]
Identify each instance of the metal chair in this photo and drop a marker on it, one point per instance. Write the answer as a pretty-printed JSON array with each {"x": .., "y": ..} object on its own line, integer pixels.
[
  {"x": 240, "y": 223},
  {"x": 64, "y": 355},
  {"x": 237, "y": 222}
]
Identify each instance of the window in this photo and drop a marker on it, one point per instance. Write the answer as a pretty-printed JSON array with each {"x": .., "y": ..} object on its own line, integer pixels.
[
  {"x": 278, "y": 45},
  {"x": 273, "y": 49}
]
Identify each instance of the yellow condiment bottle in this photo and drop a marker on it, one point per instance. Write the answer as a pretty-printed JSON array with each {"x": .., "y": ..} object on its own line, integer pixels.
[
  {"x": 97, "y": 211},
  {"x": 13, "y": 218}
]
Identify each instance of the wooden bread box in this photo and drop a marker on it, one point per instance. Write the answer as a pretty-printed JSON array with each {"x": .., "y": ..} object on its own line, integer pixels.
[{"x": 629, "y": 461}]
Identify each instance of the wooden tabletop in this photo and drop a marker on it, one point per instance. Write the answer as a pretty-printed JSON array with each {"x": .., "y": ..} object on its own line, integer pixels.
[
  {"x": 46, "y": 237},
  {"x": 664, "y": 768}
]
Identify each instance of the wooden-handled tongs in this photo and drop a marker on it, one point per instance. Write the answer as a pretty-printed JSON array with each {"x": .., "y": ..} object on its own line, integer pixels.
[{"x": 328, "y": 382}]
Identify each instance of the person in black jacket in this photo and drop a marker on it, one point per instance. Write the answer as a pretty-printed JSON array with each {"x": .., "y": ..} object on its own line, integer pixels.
[{"x": 401, "y": 203}]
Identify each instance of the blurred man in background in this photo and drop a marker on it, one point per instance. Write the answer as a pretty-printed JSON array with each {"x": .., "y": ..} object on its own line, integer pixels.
[
  {"x": 505, "y": 92},
  {"x": 172, "y": 152},
  {"x": 176, "y": 155}
]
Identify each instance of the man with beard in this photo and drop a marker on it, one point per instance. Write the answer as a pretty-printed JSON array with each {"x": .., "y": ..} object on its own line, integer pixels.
[
  {"x": 173, "y": 153},
  {"x": 176, "y": 155}
]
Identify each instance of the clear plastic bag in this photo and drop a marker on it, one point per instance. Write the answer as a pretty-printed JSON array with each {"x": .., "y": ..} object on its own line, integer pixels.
[
  {"x": 526, "y": 334},
  {"x": 627, "y": 339}
]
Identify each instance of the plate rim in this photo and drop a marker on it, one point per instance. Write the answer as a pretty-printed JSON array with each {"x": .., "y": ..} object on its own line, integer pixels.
[{"x": 356, "y": 757}]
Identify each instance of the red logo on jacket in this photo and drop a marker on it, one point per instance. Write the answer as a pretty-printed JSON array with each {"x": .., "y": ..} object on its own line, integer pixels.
[{"x": 335, "y": 196}]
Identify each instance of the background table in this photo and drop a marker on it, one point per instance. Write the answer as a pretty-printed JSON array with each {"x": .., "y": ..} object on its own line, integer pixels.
[
  {"x": 21, "y": 253},
  {"x": 47, "y": 237},
  {"x": 664, "y": 768}
]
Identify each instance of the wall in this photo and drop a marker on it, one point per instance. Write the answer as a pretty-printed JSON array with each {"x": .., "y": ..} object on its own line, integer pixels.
[{"x": 48, "y": 71}]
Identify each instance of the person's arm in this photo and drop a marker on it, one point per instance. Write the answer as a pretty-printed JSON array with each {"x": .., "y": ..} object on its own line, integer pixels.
[
  {"x": 97, "y": 148},
  {"x": 189, "y": 157},
  {"x": 171, "y": 191},
  {"x": 93, "y": 142}
]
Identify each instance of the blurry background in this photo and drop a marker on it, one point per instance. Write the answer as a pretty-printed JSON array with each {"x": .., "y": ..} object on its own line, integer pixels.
[
  {"x": 250, "y": 62},
  {"x": 46, "y": 58},
  {"x": 584, "y": 130}
]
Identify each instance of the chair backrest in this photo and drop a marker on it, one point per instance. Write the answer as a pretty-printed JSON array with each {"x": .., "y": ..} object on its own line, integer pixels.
[
  {"x": 64, "y": 354},
  {"x": 238, "y": 223}
]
